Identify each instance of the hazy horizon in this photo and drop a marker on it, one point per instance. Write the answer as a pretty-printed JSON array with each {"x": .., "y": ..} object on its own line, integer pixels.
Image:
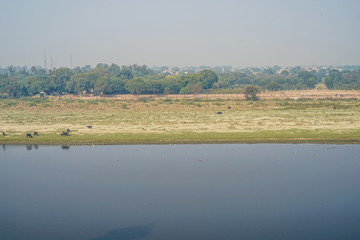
[{"x": 180, "y": 33}]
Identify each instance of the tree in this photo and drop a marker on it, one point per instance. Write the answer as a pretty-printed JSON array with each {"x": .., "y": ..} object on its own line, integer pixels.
[
  {"x": 11, "y": 70},
  {"x": 125, "y": 72},
  {"x": 117, "y": 86},
  {"x": 135, "y": 86},
  {"x": 184, "y": 90},
  {"x": 310, "y": 83},
  {"x": 269, "y": 71},
  {"x": 274, "y": 86},
  {"x": 114, "y": 69},
  {"x": 59, "y": 78},
  {"x": 82, "y": 82},
  {"x": 195, "y": 88},
  {"x": 167, "y": 91},
  {"x": 102, "y": 86},
  {"x": 250, "y": 92},
  {"x": 35, "y": 84},
  {"x": 10, "y": 87},
  {"x": 285, "y": 73},
  {"x": 208, "y": 78},
  {"x": 307, "y": 78},
  {"x": 153, "y": 87},
  {"x": 329, "y": 82},
  {"x": 334, "y": 73}
]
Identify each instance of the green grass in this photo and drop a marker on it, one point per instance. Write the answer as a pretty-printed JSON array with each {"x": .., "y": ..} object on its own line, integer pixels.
[
  {"x": 288, "y": 136},
  {"x": 179, "y": 121}
]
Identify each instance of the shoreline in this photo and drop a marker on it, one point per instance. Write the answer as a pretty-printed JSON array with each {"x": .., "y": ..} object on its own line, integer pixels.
[
  {"x": 139, "y": 139},
  {"x": 335, "y": 142}
]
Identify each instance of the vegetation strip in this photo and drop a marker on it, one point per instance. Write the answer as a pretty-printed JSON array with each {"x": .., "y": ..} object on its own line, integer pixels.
[
  {"x": 105, "y": 80},
  {"x": 194, "y": 120}
]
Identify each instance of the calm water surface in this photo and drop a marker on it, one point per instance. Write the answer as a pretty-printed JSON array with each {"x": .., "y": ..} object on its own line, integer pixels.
[{"x": 230, "y": 191}]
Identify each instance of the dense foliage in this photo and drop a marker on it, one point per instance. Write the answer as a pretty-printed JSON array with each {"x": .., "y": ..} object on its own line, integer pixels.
[{"x": 134, "y": 79}]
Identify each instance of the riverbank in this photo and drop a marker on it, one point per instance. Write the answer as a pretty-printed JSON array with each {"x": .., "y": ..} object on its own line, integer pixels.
[{"x": 170, "y": 121}]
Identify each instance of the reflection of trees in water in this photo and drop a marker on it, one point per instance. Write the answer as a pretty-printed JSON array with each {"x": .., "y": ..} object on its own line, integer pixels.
[
  {"x": 65, "y": 147},
  {"x": 130, "y": 233}
]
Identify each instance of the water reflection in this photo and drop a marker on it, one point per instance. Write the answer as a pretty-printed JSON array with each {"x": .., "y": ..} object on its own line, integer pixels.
[
  {"x": 4, "y": 148},
  {"x": 129, "y": 233},
  {"x": 29, "y": 147},
  {"x": 65, "y": 147}
]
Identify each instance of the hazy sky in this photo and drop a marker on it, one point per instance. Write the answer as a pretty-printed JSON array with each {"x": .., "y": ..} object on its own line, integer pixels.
[{"x": 180, "y": 33}]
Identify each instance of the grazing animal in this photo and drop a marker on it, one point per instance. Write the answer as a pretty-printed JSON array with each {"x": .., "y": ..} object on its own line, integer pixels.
[
  {"x": 29, "y": 135},
  {"x": 4, "y": 134},
  {"x": 334, "y": 107},
  {"x": 36, "y": 134},
  {"x": 89, "y": 126},
  {"x": 229, "y": 107},
  {"x": 219, "y": 112},
  {"x": 64, "y": 133},
  {"x": 68, "y": 130}
]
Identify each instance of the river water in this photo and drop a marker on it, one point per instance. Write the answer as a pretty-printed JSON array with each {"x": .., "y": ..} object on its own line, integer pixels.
[{"x": 225, "y": 191}]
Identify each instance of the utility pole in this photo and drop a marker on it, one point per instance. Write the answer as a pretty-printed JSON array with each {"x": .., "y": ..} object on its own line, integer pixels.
[{"x": 45, "y": 59}]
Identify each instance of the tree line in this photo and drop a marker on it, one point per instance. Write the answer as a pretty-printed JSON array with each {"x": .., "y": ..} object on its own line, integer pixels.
[{"x": 113, "y": 79}]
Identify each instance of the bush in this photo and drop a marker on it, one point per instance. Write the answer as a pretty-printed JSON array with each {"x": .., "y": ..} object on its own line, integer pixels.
[{"x": 250, "y": 92}]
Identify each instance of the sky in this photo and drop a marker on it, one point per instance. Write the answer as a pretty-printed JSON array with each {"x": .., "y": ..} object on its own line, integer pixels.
[{"x": 180, "y": 33}]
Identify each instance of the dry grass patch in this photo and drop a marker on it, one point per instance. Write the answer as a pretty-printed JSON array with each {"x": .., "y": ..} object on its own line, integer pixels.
[{"x": 154, "y": 117}]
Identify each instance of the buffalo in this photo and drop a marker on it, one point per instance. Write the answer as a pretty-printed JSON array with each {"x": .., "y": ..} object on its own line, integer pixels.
[
  {"x": 29, "y": 135},
  {"x": 64, "y": 133}
]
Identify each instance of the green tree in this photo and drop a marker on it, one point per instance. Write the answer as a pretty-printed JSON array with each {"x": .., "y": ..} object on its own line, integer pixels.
[
  {"x": 285, "y": 73},
  {"x": 310, "y": 83},
  {"x": 59, "y": 78},
  {"x": 208, "y": 78},
  {"x": 126, "y": 73},
  {"x": 307, "y": 78},
  {"x": 184, "y": 90},
  {"x": 195, "y": 88},
  {"x": 250, "y": 92},
  {"x": 117, "y": 86},
  {"x": 329, "y": 82},
  {"x": 269, "y": 71},
  {"x": 135, "y": 86},
  {"x": 274, "y": 86},
  {"x": 102, "y": 86}
]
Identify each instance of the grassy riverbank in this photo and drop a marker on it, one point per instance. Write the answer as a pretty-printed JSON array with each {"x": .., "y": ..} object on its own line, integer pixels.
[{"x": 191, "y": 120}]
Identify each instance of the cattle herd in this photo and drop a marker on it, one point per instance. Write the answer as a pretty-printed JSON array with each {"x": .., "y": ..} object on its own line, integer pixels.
[{"x": 29, "y": 135}]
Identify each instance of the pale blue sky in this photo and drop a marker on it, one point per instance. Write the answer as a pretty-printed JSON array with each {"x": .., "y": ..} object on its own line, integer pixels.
[{"x": 180, "y": 33}]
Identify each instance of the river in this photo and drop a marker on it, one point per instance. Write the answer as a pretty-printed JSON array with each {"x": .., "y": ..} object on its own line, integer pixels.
[{"x": 210, "y": 191}]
